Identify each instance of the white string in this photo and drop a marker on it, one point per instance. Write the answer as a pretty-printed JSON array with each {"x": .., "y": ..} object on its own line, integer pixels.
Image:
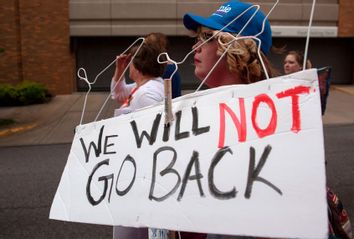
[{"x": 308, "y": 35}]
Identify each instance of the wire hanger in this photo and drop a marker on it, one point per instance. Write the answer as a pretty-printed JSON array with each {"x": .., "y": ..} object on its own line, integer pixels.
[
  {"x": 308, "y": 34},
  {"x": 83, "y": 75},
  {"x": 85, "y": 78},
  {"x": 236, "y": 38}
]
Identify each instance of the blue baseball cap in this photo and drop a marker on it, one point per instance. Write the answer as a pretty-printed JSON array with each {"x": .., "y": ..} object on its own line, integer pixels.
[{"x": 228, "y": 12}]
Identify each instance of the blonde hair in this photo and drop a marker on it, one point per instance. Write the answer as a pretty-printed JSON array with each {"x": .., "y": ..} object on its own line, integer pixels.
[{"x": 243, "y": 59}]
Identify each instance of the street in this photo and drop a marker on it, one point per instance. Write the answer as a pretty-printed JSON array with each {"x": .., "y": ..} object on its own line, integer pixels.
[
  {"x": 29, "y": 176},
  {"x": 339, "y": 142}
]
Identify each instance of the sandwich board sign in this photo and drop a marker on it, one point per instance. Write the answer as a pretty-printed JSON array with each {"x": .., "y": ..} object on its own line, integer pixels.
[{"x": 236, "y": 160}]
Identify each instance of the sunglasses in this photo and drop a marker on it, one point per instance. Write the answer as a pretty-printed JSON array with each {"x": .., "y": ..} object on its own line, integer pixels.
[{"x": 204, "y": 36}]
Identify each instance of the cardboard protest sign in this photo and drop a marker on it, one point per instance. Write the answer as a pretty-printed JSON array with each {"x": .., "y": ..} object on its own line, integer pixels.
[{"x": 238, "y": 160}]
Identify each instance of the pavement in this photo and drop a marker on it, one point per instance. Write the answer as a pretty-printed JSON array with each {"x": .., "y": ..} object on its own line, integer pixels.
[{"x": 55, "y": 122}]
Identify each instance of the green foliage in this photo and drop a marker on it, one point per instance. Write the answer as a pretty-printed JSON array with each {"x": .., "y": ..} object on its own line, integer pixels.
[
  {"x": 8, "y": 95},
  {"x": 25, "y": 93},
  {"x": 5, "y": 122}
]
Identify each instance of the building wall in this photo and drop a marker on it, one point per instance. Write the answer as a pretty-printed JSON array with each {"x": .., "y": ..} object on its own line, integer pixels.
[
  {"x": 346, "y": 18},
  {"x": 10, "y": 58},
  {"x": 41, "y": 37},
  {"x": 139, "y": 17},
  {"x": 37, "y": 44},
  {"x": 114, "y": 21},
  {"x": 96, "y": 53},
  {"x": 346, "y": 24}
]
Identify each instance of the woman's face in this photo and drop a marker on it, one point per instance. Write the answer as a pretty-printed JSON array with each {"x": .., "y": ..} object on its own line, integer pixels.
[
  {"x": 291, "y": 65},
  {"x": 205, "y": 58}
]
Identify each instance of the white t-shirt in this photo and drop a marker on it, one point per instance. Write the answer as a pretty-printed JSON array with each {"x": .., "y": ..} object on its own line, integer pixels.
[{"x": 148, "y": 94}]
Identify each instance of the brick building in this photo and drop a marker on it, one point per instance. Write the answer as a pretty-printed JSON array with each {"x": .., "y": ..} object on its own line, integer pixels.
[
  {"x": 47, "y": 41},
  {"x": 36, "y": 42}
]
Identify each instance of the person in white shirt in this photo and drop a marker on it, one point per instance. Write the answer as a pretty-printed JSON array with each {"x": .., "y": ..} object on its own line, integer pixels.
[
  {"x": 147, "y": 89},
  {"x": 145, "y": 71},
  {"x": 241, "y": 63}
]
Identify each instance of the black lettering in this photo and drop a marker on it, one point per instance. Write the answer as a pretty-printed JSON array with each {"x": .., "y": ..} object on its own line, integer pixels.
[
  {"x": 194, "y": 161},
  {"x": 195, "y": 128},
  {"x": 97, "y": 147},
  {"x": 103, "y": 178},
  {"x": 253, "y": 172},
  {"x": 166, "y": 132},
  {"x": 179, "y": 135},
  {"x": 152, "y": 137},
  {"x": 212, "y": 188},
  {"x": 125, "y": 191},
  {"x": 106, "y": 178},
  {"x": 168, "y": 169},
  {"x": 106, "y": 145}
]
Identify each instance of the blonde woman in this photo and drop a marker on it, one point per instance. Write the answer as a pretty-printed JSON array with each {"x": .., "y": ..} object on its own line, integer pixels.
[
  {"x": 241, "y": 64},
  {"x": 147, "y": 89}
]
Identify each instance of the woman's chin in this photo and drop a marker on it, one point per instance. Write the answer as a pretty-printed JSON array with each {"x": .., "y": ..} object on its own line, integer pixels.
[
  {"x": 209, "y": 82},
  {"x": 199, "y": 75}
]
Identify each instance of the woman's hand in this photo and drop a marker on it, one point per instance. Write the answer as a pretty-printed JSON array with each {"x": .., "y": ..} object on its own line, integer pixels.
[{"x": 122, "y": 62}]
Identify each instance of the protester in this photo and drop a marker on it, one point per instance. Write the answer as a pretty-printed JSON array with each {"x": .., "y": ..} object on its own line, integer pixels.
[
  {"x": 146, "y": 73},
  {"x": 293, "y": 62},
  {"x": 147, "y": 89},
  {"x": 241, "y": 64},
  {"x": 338, "y": 220}
]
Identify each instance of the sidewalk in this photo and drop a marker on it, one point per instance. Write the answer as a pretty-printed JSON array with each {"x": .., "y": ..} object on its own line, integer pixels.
[{"x": 54, "y": 122}]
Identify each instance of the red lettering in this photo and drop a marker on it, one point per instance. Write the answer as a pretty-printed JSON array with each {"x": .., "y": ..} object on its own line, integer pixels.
[
  {"x": 240, "y": 124},
  {"x": 294, "y": 94},
  {"x": 263, "y": 98}
]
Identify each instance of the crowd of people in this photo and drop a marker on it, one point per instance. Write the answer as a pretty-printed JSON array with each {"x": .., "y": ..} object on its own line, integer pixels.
[{"x": 232, "y": 60}]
